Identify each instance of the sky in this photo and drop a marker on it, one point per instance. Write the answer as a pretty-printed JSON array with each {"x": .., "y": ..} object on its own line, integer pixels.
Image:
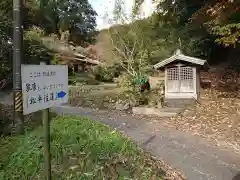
[{"x": 104, "y": 8}]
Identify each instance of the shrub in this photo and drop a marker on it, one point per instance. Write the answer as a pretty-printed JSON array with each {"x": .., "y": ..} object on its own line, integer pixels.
[
  {"x": 133, "y": 98},
  {"x": 6, "y": 119},
  {"x": 34, "y": 50},
  {"x": 155, "y": 98},
  {"x": 126, "y": 82},
  {"x": 82, "y": 78},
  {"x": 106, "y": 73},
  {"x": 132, "y": 95},
  {"x": 56, "y": 59},
  {"x": 129, "y": 97},
  {"x": 8, "y": 126}
]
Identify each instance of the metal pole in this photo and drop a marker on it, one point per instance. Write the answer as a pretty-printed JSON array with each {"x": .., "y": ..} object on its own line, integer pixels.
[
  {"x": 17, "y": 59},
  {"x": 47, "y": 154}
]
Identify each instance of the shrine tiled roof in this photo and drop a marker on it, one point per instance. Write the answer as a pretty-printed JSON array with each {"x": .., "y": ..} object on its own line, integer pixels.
[{"x": 179, "y": 56}]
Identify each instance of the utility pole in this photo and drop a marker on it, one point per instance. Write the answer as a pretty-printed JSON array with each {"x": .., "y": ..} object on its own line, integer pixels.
[{"x": 17, "y": 60}]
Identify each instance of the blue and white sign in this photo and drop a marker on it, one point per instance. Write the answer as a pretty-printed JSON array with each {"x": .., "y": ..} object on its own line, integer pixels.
[{"x": 43, "y": 86}]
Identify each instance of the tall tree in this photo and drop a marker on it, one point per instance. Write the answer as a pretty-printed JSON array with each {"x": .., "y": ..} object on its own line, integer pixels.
[
  {"x": 221, "y": 18},
  {"x": 5, "y": 36},
  {"x": 34, "y": 51},
  {"x": 77, "y": 17}
]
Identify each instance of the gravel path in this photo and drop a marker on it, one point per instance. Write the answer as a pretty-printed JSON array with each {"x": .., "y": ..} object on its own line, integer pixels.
[{"x": 195, "y": 157}]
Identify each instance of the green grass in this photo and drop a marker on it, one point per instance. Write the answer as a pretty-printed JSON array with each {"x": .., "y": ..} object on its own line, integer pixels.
[{"x": 81, "y": 149}]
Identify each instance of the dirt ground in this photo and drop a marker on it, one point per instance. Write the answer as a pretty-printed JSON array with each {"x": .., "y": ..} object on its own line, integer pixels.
[{"x": 215, "y": 117}]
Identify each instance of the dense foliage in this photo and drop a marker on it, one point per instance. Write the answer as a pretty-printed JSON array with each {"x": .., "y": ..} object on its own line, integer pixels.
[
  {"x": 76, "y": 16},
  {"x": 200, "y": 28},
  {"x": 215, "y": 19},
  {"x": 205, "y": 29},
  {"x": 42, "y": 18}
]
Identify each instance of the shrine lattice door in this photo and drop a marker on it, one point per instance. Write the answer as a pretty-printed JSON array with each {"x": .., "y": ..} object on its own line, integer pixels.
[{"x": 180, "y": 80}]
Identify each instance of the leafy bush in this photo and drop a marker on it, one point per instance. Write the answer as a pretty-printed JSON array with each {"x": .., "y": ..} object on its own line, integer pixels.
[
  {"x": 126, "y": 82},
  {"x": 9, "y": 126},
  {"x": 82, "y": 78},
  {"x": 132, "y": 95},
  {"x": 56, "y": 59},
  {"x": 34, "y": 50},
  {"x": 103, "y": 74},
  {"x": 133, "y": 98},
  {"x": 6, "y": 119},
  {"x": 129, "y": 97},
  {"x": 155, "y": 98},
  {"x": 71, "y": 81},
  {"x": 106, "y": 73},
  {"x": 5, "y": 54}
]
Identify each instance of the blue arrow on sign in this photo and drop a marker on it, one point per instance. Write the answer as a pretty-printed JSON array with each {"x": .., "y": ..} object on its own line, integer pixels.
[{"x": 61, "y": 94}]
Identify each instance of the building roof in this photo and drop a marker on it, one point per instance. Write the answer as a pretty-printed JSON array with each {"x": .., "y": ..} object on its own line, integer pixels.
[
  {"x": 79, "y": 55},
  {"x": 86, "y": 60},
  {"x": 67, "y": 51},
  {"x": 179, "y": 56}
]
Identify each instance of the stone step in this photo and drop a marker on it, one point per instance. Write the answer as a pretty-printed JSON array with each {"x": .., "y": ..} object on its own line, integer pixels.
[
  {"x": 167, "y": 109},
  {"x": 163, "y": 112},
  {"x": 179, "y": 103}
]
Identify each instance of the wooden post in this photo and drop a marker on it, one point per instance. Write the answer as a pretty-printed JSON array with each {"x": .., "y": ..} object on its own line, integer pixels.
[{"x": 47, "y": 152}]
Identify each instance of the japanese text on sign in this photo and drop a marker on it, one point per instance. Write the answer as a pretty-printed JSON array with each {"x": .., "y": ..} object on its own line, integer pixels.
[
  {"x": 44, "y": 74},
  {"x": 44, "y": 86}
]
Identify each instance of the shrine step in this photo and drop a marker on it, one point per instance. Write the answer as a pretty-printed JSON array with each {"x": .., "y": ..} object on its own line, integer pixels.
[
  {"x": 179, "y": 103},
  {"x": 162, "y": 112}
]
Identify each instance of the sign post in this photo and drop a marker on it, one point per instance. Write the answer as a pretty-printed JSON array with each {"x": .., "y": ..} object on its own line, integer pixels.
[
  {"x": 44, "y": 86},
  {"x": 47, "y": 154},
  {"x": 46, "y": 127}
]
